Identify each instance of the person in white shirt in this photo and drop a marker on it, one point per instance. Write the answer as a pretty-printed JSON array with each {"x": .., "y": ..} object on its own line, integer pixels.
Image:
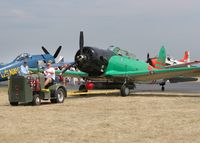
[
  {"x": 24, "y": 69},
  {"x": 49, "y": 73}
]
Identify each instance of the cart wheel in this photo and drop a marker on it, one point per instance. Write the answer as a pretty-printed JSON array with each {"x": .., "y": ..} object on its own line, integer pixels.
[
  {"x": 36, "y": 100},
  {"x": 125, "y": 90},
  {"x": 14, "y": 103},
  {"x": 60, "y": 96}
]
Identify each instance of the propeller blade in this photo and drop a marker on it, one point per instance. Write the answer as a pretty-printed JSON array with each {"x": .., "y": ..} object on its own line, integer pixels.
[
  {"x": 81, "y": 42},
  {"x": 45, "y": 50},
  {"x": 68, "y": 67},
  {"x": 147, "y": 61},
  {"x": 57, "y": 52},
  {"x": 147, "y": 56}
]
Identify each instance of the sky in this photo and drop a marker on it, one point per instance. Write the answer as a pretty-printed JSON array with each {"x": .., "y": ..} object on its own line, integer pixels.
[{"x": 138, "y": 26}]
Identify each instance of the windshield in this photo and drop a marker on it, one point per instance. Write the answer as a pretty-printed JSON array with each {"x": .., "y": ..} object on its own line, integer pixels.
[
  {"x": 121, "y": 52},
  {"x": 22, "y": 57}
]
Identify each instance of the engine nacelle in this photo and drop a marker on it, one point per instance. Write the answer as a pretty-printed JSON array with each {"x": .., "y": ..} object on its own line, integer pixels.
[{"x": 92, "y": 60}]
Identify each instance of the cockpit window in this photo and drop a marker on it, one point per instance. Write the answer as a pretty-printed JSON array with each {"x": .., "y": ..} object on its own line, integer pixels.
[
  {"x": 22, "y": 57},
  {"x": 121, "y": 52}
]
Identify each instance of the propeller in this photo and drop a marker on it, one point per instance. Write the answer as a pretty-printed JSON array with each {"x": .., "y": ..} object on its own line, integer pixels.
[
  {"x": 45, "y": 50},
  {"x": 148, "y": 58},
  {"x": 68, "y": 67},
  {"x": 57, "y": 52},
  {"x": 81, "y": 42},
  {"x": 81, "y": 45}
]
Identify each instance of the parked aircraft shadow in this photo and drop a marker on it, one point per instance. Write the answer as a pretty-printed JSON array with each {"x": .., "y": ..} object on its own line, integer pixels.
[{"x": 163, "y": 95}]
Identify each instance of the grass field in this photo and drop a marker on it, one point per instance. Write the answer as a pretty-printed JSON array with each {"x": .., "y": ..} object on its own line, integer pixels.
[{"x": 102, "y": 119}]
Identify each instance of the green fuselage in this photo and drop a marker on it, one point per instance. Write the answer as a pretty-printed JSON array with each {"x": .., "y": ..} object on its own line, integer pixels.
[{"x": 124, "y": 64}]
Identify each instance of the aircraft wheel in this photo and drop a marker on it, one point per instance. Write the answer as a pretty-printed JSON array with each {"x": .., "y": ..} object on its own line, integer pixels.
[
  {"x": 83, "y": 88},
  {"x": 163, "y": 88},
  {"x": 125, "y": 90},
  {"x": 14, "y": 103},
  {"x": 60, "y": 95},
  {"x": 36, "y": 100}
]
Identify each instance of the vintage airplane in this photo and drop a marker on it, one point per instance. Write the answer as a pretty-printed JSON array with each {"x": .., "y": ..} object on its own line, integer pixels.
[
  {"x": 171, "y": 61},
  {"x": 12, "y": 68},
  {"x": 157, "y": 62},
  {"x": 163, "y": 61},
  {"x": 117, "y": 65}
]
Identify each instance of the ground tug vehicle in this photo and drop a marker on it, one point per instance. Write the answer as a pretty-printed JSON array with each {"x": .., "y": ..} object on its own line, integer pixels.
[{"x": 30, "y": 89}]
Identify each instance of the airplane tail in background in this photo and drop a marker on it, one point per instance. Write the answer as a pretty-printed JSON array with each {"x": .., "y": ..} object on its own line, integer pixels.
[
  {"x": 162, "y": 55},
  {"x": 186, "y": 57},
  {"x": 158, "y": 62},
  {"x": 161, "y": 58},
  {"x": 60, "y": 59}
]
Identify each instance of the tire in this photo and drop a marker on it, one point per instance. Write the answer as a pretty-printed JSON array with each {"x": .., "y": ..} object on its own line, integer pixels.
[
  {"x": 53, "y": 100},
  {"x": 83, "y": 88},
  {"x": 14, "y": 103},
  {"x": 36, "y": 100},
  {"x": 162, "y": 88},
  {"x": 125, "y": 91},
  {"x": 60, "y": 96}
]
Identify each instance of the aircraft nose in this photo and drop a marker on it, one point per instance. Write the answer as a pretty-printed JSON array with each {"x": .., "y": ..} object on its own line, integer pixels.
[{"x": 81, "y": 58}]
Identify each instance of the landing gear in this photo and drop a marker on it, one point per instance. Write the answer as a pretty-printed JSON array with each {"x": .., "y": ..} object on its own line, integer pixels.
[
  {"x": 83, "y": 88},
  {"x": 163, "y": 86},
  {"x": 125, "y": 90}
]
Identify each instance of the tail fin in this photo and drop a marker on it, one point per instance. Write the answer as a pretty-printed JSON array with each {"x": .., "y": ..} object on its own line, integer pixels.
[
  {"x": 60, "y": 59},
  {"x": 159, "y": 63},
  {"x": 161, "y": 57},
  {"x": 186, "y": 57}
]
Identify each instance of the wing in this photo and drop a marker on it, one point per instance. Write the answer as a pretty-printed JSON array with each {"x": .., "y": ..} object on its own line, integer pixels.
[
  {"x": 182, "y": 79},
  {"x": 183, "y": 65},
  {"x": 137, "y": 76},
  {"x": 69, "y": 73},
  {"x": 55, "y": 65}
]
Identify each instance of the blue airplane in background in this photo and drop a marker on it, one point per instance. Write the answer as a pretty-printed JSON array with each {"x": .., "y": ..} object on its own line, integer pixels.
[{"x": 13, "y": 67}]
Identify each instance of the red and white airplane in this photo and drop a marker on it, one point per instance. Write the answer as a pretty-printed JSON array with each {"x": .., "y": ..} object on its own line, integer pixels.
[
  {"x": 163, "y": 61},
  {"x": 185, "y": 61}
]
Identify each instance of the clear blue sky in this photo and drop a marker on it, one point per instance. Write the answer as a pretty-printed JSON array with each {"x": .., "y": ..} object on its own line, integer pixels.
[{"x": 139, "y": 26}]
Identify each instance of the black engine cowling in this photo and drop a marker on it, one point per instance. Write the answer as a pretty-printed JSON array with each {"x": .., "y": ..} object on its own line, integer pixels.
[{"x": 93, "y": 60}]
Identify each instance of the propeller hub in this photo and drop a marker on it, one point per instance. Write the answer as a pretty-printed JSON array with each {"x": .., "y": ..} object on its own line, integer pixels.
[{"x": 81, "y": 58}]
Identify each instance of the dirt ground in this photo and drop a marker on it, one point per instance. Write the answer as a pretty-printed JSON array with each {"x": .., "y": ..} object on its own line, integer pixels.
[{"x": 102, "y": 119}]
